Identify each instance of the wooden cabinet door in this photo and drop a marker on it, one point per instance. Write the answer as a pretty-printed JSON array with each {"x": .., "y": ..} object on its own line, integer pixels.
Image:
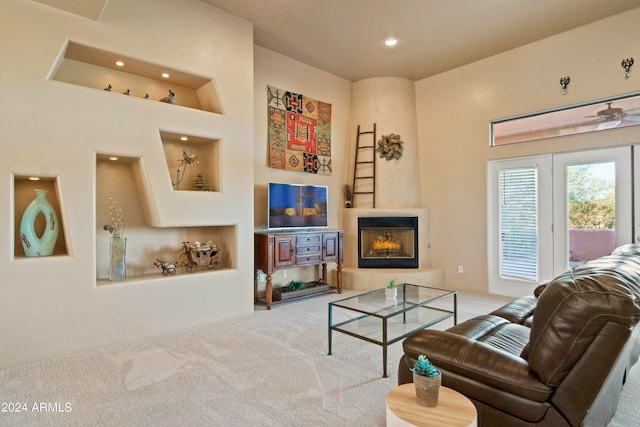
[
  {"x": 330, "y": 247},
  {"x": 284, "y": 252}
]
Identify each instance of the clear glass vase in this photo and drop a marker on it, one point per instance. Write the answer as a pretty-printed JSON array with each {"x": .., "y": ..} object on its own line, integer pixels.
[{"x": 118, "y": 256}]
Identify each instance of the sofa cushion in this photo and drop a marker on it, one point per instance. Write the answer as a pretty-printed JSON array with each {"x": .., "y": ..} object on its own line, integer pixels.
[
  {"x": 495, "y": 331},
  {"x": 511, "y": 338},
  {"x": 575, "y": 306},
  {"x": 478, "y": 327},
  {"x": 518, "y": 311}
]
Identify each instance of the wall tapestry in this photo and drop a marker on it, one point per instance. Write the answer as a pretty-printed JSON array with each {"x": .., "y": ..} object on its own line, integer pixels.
[{"x": 299, "y": 132}]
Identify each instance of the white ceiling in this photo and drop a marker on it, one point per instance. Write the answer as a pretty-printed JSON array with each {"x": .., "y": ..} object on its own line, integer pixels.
[{"x": 345, "y": 37}]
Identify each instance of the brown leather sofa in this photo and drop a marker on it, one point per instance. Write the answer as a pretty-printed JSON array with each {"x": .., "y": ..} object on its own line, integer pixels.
[{"x": 558, "y": 359}]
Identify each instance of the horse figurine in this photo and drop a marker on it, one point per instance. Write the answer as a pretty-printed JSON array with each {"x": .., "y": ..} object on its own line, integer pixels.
[{"x": 168, "y": 269}]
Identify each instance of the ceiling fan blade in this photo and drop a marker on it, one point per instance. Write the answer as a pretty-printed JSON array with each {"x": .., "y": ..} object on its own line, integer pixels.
[{"x": 609, "y": 124}]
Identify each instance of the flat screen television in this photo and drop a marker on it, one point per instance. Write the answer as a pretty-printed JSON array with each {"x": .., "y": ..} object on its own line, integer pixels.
[{"x": 297, "y": 206}]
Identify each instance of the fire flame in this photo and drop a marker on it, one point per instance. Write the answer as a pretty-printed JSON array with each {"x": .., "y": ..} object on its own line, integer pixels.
[{"x": 386, "y": 245}]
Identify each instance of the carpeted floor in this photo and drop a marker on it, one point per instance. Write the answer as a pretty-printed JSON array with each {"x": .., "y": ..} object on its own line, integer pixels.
[{"x": 269, "y": 368}]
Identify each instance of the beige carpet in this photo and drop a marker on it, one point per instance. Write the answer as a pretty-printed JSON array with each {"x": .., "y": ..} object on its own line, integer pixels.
[{"x": 269, "y": 368}]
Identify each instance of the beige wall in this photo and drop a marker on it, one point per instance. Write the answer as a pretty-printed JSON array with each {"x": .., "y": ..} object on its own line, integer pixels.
[
  {"x": 390, "y": 103},
  {"x": 285, "y": 73},
  {"x": 454, "y": 110},
  {"x": 54, "y": 305}
]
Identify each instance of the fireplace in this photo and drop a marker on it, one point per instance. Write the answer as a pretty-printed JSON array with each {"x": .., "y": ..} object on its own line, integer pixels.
[{"x": 388, "y": 242}]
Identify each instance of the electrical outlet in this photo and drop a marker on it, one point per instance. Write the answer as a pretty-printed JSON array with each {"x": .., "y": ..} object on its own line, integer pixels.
[
  {"x": 460, "y": 269},
  {"x": 284, "y": 274}
]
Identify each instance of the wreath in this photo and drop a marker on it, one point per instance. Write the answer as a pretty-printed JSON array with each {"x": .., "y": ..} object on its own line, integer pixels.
[{"x": 390, "y": 146}]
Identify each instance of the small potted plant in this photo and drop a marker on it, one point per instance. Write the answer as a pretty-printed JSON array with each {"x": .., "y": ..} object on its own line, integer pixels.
[
  {"x": 427, "y": 380},
  {"x": 391, "y": 291}
]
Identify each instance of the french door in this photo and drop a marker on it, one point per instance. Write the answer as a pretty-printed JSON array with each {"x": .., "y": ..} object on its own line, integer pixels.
[
  {"x": 593, "y": 212},
  {"x": 550, "y": 213}
]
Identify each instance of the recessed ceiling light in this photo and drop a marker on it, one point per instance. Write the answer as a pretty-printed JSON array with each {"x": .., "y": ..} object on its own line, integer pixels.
[
  {"x": 34, "y": 178},
  {"x": 120, "y": 63},
  {"x": 165, "y": 75},
  {"x": 183, "y": 138},
  {"x": 391, "y": 41},
  {"x": 114, "y": 158}
]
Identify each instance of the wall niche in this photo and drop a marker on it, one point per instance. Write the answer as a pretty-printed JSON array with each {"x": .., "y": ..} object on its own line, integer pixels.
[
  {"x": 119, "y": 183},
  {"x": 95, "y": 68},
  {"x": 193, "y": 163}
]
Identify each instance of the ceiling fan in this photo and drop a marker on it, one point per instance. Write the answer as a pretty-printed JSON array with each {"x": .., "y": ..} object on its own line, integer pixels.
[{"x": 612, "y": 117}]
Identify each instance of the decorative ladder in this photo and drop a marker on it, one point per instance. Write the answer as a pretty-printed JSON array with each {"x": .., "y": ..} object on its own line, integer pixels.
[{"x": 367, "y": 163}]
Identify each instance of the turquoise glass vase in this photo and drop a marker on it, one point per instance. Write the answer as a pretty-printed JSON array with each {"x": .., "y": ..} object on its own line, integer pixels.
[{"x": 33, "y": 244}]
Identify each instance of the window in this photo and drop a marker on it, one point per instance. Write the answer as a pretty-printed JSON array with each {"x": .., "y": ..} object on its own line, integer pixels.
[
  {"x": 610, "y": 113},
  {"x": 519, "y": 224}
]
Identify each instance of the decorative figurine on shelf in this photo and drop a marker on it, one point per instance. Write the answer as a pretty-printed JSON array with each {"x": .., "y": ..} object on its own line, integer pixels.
[
  {"x": 182, "y": 167},
  {"x": 108, "y": 88},
  {"x": 199, "y": 183},
  {"x": 190, "y": 257},
  {"x": 128, "y": 92},
  {"x": 168, "y": 269},
  {"x": 171, "y": 99},
  {"x": 191, "y": 158}
]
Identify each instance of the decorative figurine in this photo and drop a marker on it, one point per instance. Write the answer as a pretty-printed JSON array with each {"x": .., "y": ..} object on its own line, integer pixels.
[
  {"x": 169, "y": 99},
  {"x": 168, "y": 269},
  {"x": 182, "y": 167},
  {"x": 190, "y": 257},
  {"x": 108, "y": 88},
  {"x": 199, "y": 182}
]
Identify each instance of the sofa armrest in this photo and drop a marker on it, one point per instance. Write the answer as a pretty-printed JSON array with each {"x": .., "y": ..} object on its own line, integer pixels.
[{"x": 477, "y": 361}]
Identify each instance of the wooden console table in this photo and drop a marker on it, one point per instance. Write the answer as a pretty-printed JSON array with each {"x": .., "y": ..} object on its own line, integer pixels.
[{"x": 281, "y": 250}]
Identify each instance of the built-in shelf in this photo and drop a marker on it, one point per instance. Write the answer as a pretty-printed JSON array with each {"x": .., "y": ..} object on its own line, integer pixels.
[
  {"x": 193, "y": 162},
  {"x": 24, "y": 194},
  {"x": 96, "y": 68},
  {"x": 145, "y": 245},
  {"x": 120, "y": 181}
]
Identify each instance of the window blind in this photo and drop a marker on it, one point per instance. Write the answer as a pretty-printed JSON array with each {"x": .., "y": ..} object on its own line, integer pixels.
[{"x": 518, "y": 223}]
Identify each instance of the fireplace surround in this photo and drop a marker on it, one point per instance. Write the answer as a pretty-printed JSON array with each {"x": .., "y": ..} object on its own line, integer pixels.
[
  {"x": 369, "y": 279},
  {"x": 388, "y": 242}
]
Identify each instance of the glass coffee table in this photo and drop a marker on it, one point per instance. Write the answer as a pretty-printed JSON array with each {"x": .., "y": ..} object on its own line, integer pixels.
[{"x": 383, "y": 321}]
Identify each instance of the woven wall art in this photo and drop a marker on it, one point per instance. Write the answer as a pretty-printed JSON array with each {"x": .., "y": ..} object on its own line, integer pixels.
[{"x": 299, "y": 132}]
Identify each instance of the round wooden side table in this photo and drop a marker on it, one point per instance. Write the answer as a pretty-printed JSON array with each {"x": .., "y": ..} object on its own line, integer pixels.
[{"x": 453, "y": 409}]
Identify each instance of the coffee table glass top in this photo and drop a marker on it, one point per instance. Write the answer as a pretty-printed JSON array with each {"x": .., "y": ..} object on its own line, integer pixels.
[
  {"x": 383, "y": 321},
  {"x": 375, "y": 303}
]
